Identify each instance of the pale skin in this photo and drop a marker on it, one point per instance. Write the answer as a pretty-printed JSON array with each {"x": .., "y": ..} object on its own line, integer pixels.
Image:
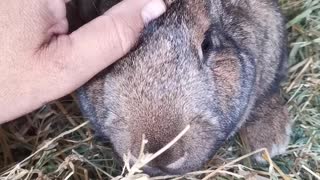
[{"x": 40, "y": 62}]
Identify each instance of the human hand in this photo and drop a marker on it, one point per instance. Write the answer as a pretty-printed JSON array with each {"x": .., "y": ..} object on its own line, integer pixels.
[{"x": 39, "y": 62}]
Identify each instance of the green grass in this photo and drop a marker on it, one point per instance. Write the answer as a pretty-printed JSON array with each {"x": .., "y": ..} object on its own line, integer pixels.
[{"x": 72, "y": 151}]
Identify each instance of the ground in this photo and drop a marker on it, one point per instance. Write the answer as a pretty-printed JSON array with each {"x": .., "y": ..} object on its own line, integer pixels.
[{"x": 55, "y": 142}]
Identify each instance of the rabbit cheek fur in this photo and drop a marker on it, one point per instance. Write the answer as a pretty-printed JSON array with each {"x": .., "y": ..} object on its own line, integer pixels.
[{"x": 209, "y": 64}]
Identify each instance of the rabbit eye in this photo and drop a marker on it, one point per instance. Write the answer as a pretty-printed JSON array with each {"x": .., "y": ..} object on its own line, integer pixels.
[{"x": 206, "y": 45}]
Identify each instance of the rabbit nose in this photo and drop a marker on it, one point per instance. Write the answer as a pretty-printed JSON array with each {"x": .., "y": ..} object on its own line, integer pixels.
[
  {"x": 169, "y": 162},
  {"x": 161, "y": 168},
  {"x": 178, "y": 163}
]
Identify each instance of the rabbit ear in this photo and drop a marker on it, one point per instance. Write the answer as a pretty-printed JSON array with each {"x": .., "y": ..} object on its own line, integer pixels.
[
  {"x": 227, "y": 79},
  {"x": 234, "y": 74}
]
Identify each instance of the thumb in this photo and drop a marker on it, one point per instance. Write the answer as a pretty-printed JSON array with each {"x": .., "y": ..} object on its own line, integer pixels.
[
  {"x": 102, "y": 41},
  {"x": 115, "y": 31},
  {"x": 112, "y": 35}
]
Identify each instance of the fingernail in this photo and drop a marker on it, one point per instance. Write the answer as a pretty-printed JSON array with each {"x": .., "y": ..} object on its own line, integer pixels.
[{"x": 153, "y": 10}]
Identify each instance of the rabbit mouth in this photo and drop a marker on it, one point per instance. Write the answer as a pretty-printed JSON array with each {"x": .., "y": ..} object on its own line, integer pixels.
[
  {"x": 173, "y": 168},
  {"x": 178, "y": 163}
]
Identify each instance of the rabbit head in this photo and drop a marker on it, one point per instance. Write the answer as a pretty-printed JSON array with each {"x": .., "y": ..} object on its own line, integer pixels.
[{"x": 199, "y": 65}]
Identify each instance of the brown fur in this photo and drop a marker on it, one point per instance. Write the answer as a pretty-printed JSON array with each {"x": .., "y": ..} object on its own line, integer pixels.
[
  {"x": 268, "y": 127},
  {"x": 212, "y": 64}
]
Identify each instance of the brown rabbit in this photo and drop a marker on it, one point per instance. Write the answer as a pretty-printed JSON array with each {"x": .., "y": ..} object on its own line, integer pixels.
[{"x": 215, "y": 65}]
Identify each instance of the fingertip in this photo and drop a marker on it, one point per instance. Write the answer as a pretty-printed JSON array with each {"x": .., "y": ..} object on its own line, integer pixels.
[{"x": 152, "y": 10}]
